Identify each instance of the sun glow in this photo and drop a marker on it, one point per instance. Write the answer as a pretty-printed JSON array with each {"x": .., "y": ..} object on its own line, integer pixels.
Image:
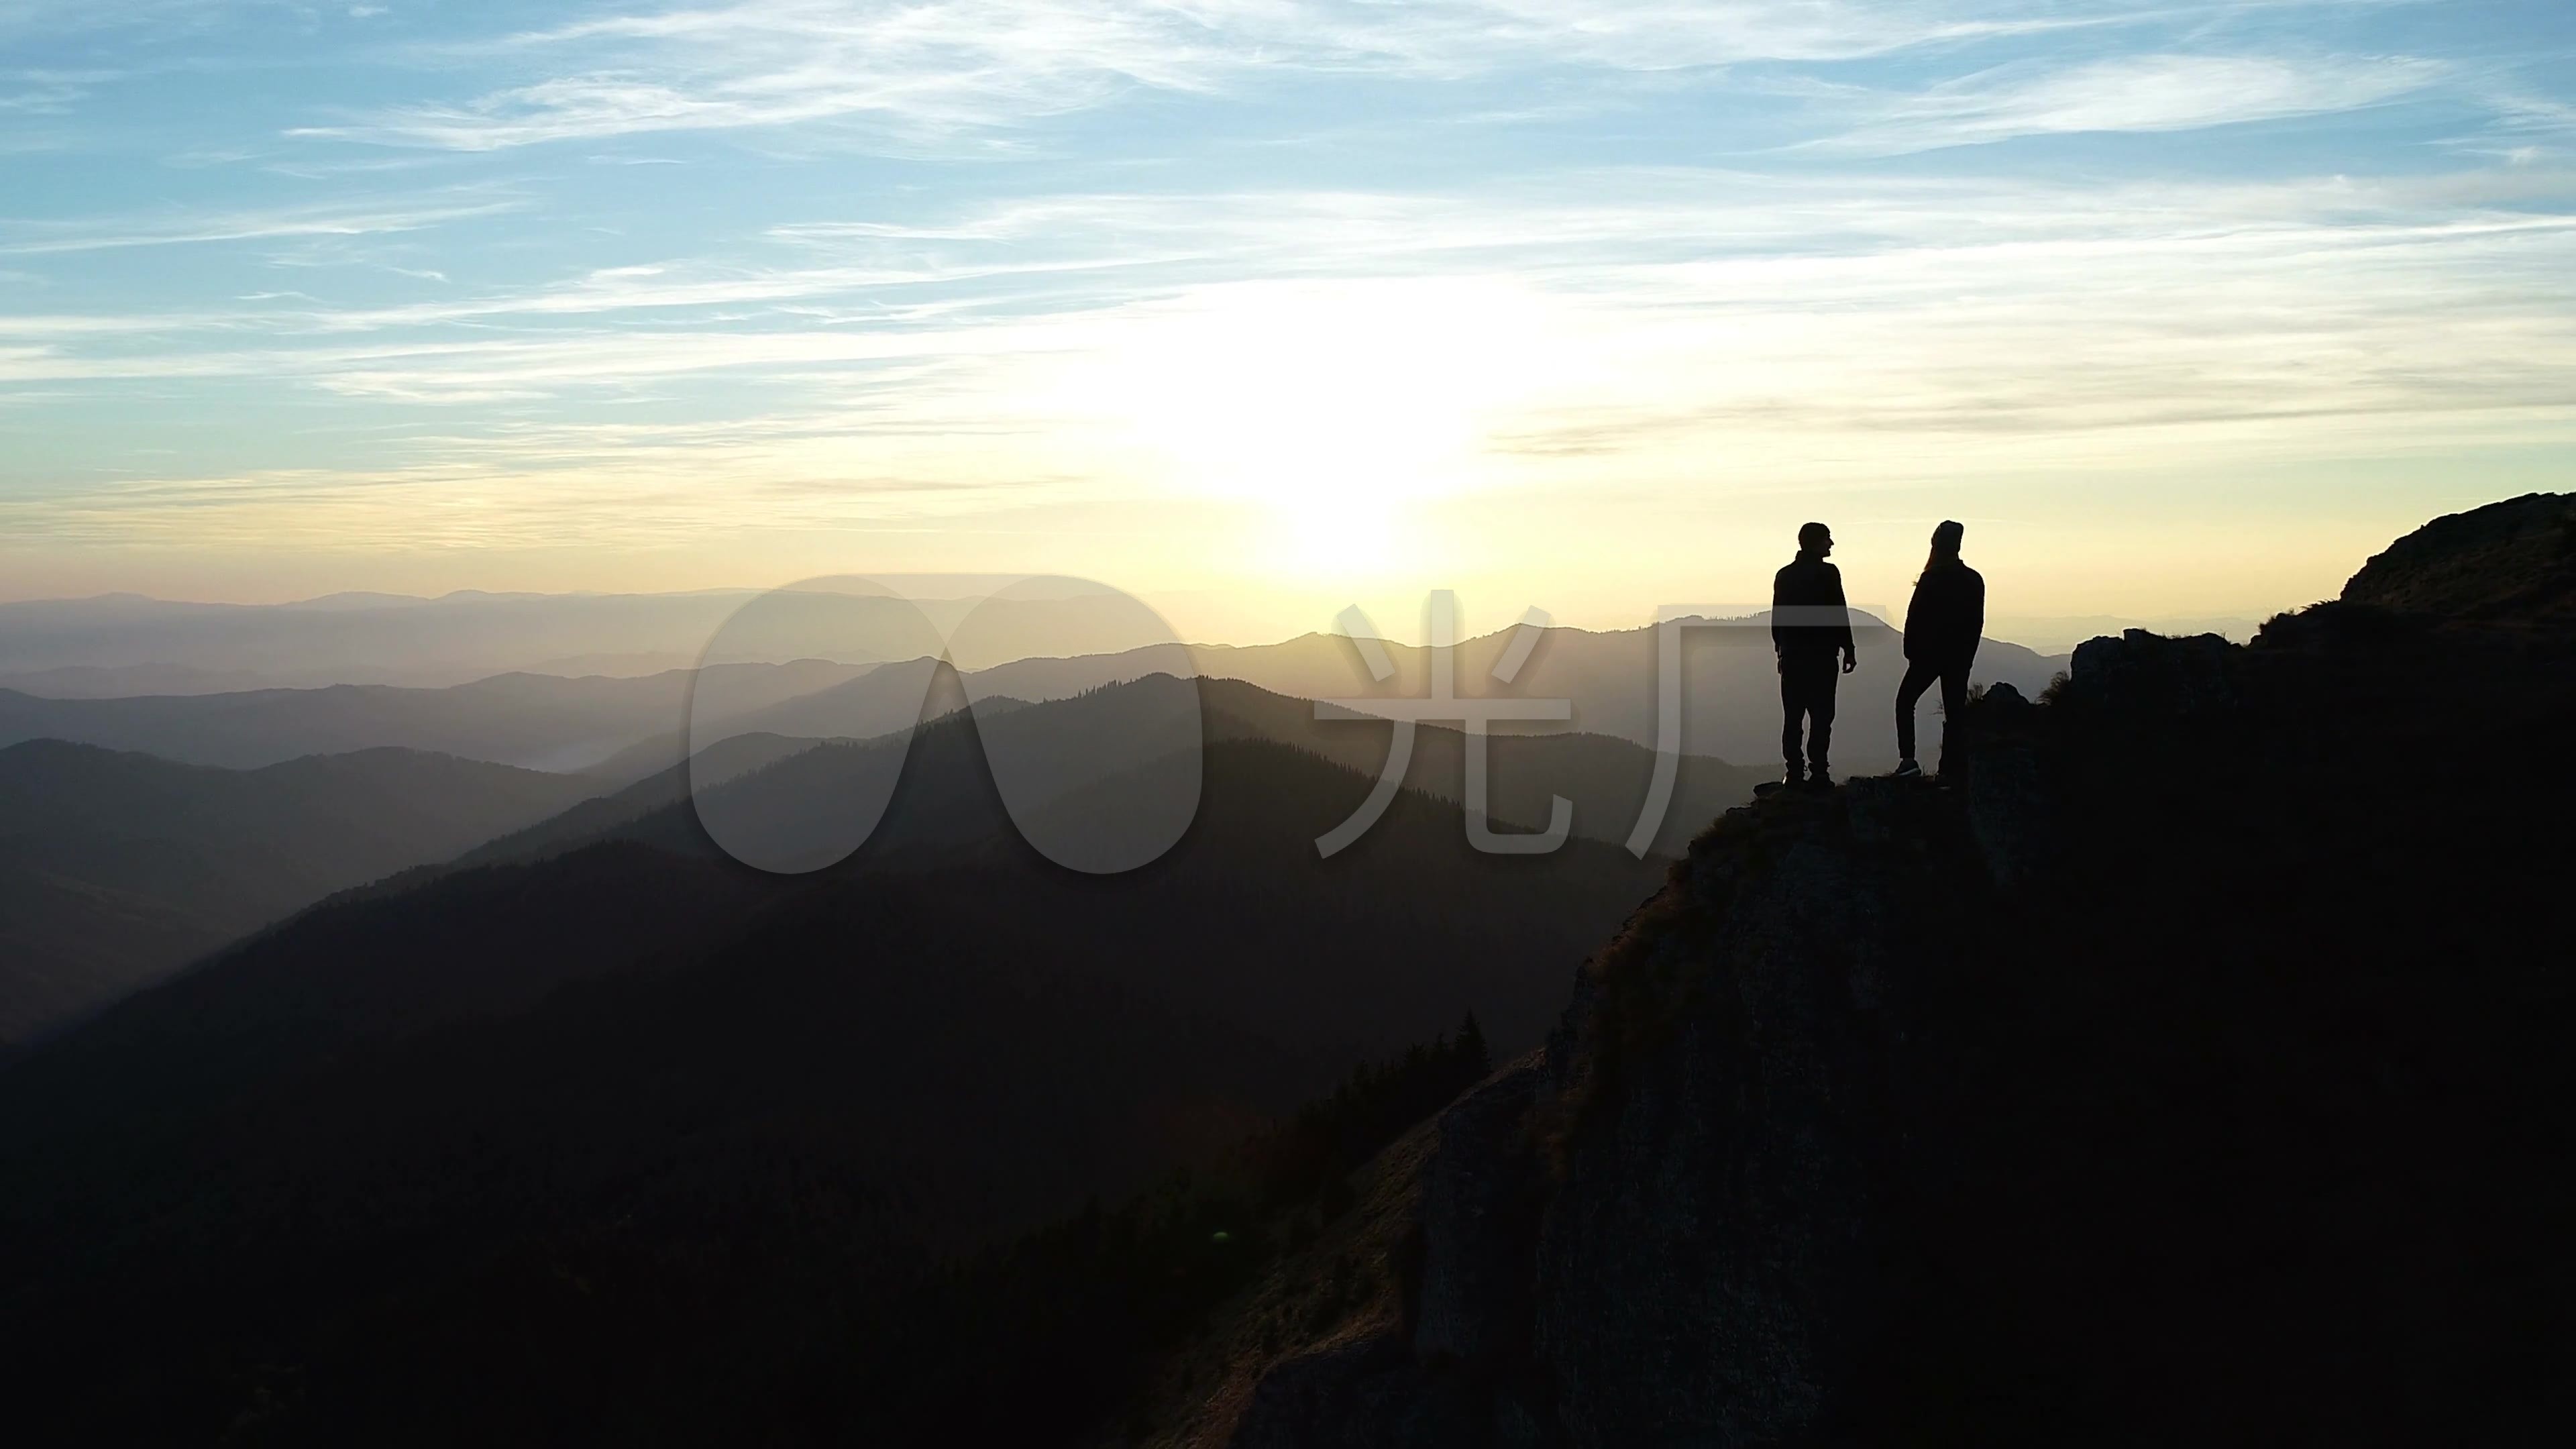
[{"x": 1330, "y": 403}]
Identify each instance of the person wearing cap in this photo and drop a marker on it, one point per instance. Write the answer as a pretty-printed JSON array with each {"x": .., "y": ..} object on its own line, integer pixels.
[
  {"x": 1943, "y": 626},
  {"x": 1810, "y": 625}
]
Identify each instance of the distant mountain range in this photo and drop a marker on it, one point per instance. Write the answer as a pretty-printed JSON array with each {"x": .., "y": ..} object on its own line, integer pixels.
[
  {"x": 405, "y": 1090},
  {"x": 118, "y": 868},
  {"x": 628, "y": 728},
  {"x": 534, "y": 721},
  {"x": 1729, "y": 685},
  {"x": 632, "y": 738},
  {"x": 135, "y": 865},
  {"x": 124, "y": 644},
  {"x": 761, "y": 775}
]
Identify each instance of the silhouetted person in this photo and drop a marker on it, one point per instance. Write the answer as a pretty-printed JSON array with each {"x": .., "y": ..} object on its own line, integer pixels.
[
  {"x": 1942, "y": 628},
  {"x": 1809, "y": 626}
]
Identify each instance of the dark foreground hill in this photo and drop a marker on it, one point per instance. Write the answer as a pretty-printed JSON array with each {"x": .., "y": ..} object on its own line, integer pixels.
[
  {"x": 117, "y": 869},
  {"x": 639, "y": 1141},
  {"x": 2195, "y": 1074}
]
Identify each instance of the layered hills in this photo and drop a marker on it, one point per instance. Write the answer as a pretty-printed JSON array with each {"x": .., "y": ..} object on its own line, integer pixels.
[
  {"x": 410, "y": 1105},
  {"x": 625, "y": 728},
  {"x": 118, "y": 868}
]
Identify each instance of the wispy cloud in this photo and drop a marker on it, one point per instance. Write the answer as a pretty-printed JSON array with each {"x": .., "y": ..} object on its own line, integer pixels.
[
  {"x": 2127, "y": 93},
  {"x": 48, "y": 92},
  {"x": 44, "y": 17},
  {"x": 934, "y": 67},
  {"x": 1984, "y": 321},
  {"x": 2524, "y": 111},
  {"x": 334, "y": 219},
  {"x": 1526, "y": 249}
]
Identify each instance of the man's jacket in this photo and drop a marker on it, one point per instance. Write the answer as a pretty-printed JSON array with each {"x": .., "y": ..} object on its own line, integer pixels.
[
  {"x": 1948, "y": 615},
  {"x": 1808, "y": 617}
]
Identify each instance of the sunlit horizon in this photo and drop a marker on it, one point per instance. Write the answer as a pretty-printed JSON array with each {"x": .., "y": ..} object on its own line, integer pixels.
[{"x": 1259, "y": 311}]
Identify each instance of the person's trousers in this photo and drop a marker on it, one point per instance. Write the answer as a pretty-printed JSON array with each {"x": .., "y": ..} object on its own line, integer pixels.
[
  {"x": 1807, "y": 698},
  {"x": 1919, "y": 675}
]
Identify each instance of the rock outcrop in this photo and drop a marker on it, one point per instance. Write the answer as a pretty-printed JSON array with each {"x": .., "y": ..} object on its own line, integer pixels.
[
  {"x": 2511, "y": 562},
  {"x": 1668, "y": 1227},
  {"x": 2193, "y": 1072}
]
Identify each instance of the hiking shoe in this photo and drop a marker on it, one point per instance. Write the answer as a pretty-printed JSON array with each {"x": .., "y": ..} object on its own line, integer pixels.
[
  {"x": 1819, "y": 779},
  {"x": 1907, "y": 770}
]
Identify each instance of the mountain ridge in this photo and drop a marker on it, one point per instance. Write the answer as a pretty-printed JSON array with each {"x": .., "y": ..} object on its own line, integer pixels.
[
  {"x": 118, "y": 868},
  {"x": 2179, "y": 1072},
  {"x": 422, "y": 1092}
]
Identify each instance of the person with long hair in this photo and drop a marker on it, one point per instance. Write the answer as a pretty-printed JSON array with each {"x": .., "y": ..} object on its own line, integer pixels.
[{"x": 1943, "y": 626}]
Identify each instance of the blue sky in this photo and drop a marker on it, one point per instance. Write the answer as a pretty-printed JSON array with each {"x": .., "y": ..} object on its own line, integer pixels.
[{"x": 1254, "y": 306}]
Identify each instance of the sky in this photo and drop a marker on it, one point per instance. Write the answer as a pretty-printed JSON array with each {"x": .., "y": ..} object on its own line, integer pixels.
[{"x": 1257, "y": 308}]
